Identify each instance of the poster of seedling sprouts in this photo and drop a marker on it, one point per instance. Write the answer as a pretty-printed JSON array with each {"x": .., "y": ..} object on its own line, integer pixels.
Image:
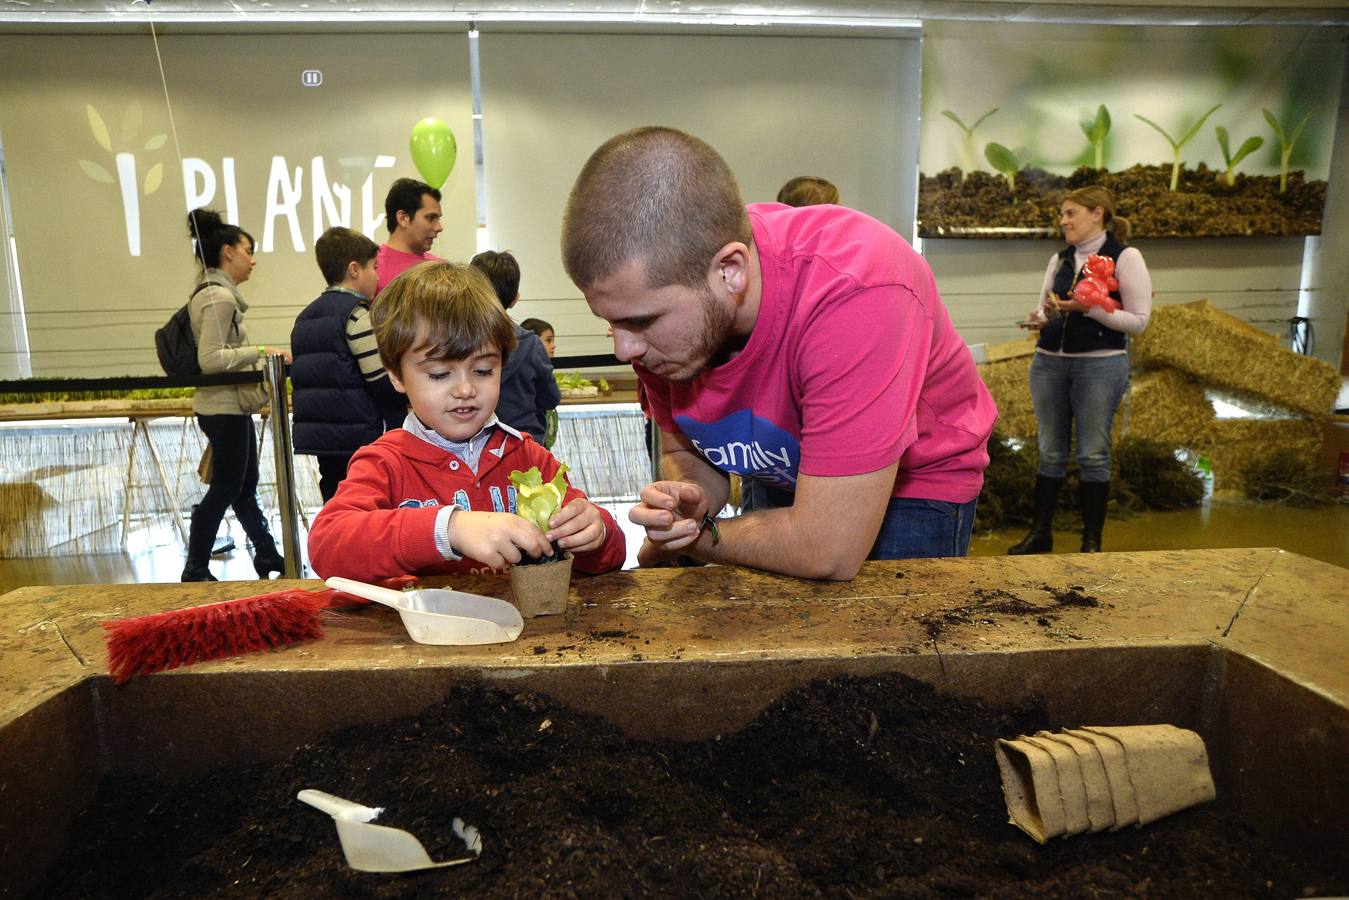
[{"x": 1199, "y": 132}]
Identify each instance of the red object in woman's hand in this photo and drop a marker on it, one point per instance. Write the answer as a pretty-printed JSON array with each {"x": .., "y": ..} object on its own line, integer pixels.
[
  {"x": 1100, "y": 267},
  {"x": 1092, "y": 292}
]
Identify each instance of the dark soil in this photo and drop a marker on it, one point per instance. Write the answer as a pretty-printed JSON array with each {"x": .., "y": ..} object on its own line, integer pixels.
[
  {"x": 862, "y": 787},
  {"x": 1203, "y": 205}
]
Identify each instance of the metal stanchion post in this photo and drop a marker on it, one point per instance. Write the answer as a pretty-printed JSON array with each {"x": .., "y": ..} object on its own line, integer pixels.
[{"x": 285, "y": 464}]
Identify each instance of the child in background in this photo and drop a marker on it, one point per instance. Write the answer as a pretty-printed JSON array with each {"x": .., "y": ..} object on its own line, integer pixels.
[
  {"x": 546, "y": 337},
  {"x": 435, "y": 496},
  {"x": 545, "y": 333},
  {"x": 528, "y": 390},
  {"x": 343, "y": 397}
]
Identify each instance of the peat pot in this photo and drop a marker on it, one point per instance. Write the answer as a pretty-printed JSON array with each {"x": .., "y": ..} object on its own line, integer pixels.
[{"x": 1117, "y": 639}]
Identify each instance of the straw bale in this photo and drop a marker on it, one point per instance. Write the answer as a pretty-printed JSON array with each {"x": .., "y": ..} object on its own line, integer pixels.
[
  {"x": 1169, "y": 407},
  {"x": 1222, "y": 351},
  {"x": 1008, "y": 380},
  {"x": 1009, "y": 350},
  {"x": 1235, "y": 444}
]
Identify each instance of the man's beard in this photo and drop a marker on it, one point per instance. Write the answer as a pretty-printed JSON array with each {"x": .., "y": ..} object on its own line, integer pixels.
[{"x": 712, "y": 345}]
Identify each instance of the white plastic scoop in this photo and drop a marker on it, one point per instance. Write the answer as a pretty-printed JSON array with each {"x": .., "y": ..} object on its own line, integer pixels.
[
  {"x": 379, "y": 848},
  {"x": 438, "y": 616}
]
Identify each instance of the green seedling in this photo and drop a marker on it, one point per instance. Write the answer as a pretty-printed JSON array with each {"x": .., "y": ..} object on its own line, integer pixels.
[
  {"x": 1096, "y": 129},
  {"x": 967, "y": 144},
  {"x": 1177, "y": 145},
  {"x": 1005, "y": 161},
  {"x": 1249, "y": 146},
  {"x": 537, "y": 501},
  {"x": 572, "y": 380},
  {"x": 1285, "y": 145}
]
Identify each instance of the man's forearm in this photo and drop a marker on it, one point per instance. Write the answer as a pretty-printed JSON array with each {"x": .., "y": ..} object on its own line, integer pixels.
[{"x": 769, "y": 540}]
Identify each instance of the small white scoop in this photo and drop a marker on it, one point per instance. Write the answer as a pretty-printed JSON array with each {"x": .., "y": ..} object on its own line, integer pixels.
[
  {"x": 379, "y": 848},
  {"x": 438, "y": 616}
]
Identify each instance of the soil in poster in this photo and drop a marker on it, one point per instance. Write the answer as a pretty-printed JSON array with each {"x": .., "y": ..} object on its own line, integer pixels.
[
  {"x": 875, "y": 787},
  {"x": 983, "y": 204}
]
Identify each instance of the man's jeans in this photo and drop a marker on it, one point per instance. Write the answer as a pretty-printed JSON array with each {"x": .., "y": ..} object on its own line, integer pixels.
[
  {"x": 1085, "y": 389},
  {"x": 911, "y": 529}
]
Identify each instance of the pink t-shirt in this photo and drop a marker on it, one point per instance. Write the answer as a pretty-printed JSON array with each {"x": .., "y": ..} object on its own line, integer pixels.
[
  {"x": 853, "y": 364},
  {"x": 391, "y": 263}
]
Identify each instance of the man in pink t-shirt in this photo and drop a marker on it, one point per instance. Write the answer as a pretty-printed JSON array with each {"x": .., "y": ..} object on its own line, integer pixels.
[
  {"x": 805, "y": 349},
  {"x": 412, "y": 213}
]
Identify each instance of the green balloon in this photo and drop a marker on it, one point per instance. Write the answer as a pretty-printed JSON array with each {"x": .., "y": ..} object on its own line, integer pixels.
[{"x": 433, "y": 150}]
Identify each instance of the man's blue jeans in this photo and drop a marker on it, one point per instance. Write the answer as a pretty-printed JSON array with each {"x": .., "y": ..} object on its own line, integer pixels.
[
  {"x": 917, "y": 529},
  {"x": 1083, "y": 389},
  {"x": 911, "y": 529}
]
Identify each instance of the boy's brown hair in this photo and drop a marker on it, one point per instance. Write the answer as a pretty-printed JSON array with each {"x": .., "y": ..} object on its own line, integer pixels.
[
  {"x": 652, "y": 194},
  {"x": 338, "y": 247},
  {"x": 450, "y": 308}
]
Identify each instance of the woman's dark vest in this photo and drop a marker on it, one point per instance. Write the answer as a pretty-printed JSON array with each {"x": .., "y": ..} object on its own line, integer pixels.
[
  {"x": 334, "y": 411},
  {"x": 1074, "y": 332}
]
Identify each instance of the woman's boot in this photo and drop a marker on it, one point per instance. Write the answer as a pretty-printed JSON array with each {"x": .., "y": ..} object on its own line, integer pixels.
[
  {"x": 1092, "y": 497},
  {"x": 1041, "y": 537},
  {"x": 266, "y": 559},
  {"x": 197, "y": 572}
]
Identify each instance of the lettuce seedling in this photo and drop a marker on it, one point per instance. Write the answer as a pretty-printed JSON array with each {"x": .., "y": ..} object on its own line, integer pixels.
[
  {"x": 1249, "y": 146},
  {"x": 1096, "y": 129},
  {"x": 1005, "y": 161},
  {"x": 537, "y": 501},
  {"x": 1176, "y": 145},
  {"x": 967, "y": 144},
  {"x": 1285, "y": 145}
]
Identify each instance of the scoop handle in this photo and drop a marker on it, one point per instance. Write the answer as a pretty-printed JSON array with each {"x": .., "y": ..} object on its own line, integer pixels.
[
  {"x": 337, "y": 807},
  {"x": 369, "y": 591}
]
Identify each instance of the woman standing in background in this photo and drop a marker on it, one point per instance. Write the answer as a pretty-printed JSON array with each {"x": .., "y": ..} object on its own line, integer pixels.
[
  {"x": 225, "y": 412},
  {"x": 1081, "y": 366}
]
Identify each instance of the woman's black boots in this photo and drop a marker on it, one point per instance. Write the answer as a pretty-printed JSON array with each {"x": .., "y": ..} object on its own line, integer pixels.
[
  {"x": 267, "y": 560},
  {"x": 197, "y": 572},
  {"x": 1041, "y": 537},
  {"x": 1092, "y": 497}
]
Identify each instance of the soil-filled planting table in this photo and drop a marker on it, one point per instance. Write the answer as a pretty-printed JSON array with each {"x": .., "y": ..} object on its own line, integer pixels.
[{"x": 1249, "y": 646}]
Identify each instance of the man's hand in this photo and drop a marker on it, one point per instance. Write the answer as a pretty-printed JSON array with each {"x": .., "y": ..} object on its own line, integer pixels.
[
  {"x": 498, "y": 539},
  {"x": 577, "y": 527},
  {"x": 671, "y": 512}
]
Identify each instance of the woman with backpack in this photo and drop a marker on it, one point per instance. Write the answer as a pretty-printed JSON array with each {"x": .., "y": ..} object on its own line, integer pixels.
[{"x": 225, "y": 412}]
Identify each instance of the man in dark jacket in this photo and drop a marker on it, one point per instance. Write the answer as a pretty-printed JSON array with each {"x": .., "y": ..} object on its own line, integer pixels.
[
  {"x": 343, "y": 398},
  {"x": 528, "y": 389}
]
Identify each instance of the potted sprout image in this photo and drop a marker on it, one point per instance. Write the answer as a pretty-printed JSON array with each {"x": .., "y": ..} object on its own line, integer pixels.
[{"x": 539, "y": 585}]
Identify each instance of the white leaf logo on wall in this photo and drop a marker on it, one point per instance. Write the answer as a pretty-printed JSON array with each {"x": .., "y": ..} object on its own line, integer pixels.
[{"x": 125, "y": 164}]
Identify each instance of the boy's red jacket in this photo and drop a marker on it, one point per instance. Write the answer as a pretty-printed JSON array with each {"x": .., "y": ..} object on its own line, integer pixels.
[{"x": 381, "y": 523}]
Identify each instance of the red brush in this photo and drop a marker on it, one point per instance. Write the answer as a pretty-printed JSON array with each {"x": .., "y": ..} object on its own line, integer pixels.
[{"x": 181, "y": 637}]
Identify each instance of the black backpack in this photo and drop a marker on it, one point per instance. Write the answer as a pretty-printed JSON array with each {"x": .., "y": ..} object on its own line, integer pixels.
[{"x": 175, "y": 344}]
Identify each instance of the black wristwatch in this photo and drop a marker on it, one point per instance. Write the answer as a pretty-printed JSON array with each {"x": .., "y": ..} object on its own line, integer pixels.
[{"x": 710, "y": 524}]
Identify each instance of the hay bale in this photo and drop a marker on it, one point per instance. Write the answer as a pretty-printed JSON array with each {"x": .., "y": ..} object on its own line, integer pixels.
[
  {"x": 1238, "y": 445},
  {"x": 1169, "y": 407},
  {"x": 1225, "y": 352},
  {"x": 1009, "y": 382}
]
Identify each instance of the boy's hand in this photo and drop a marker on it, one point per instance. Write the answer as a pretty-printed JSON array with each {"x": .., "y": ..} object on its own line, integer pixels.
[
  {"x": 498, "y": 539},
  {"x": 577, "y": 527}
]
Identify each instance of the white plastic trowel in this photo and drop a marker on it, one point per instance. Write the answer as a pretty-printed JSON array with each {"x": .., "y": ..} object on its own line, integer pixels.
[
  {"x": 439, "y": 616},
  {"x": 379, "y": 848}
]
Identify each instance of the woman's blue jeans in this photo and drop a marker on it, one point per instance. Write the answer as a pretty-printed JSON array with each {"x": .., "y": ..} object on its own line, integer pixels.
[{"x": 1082, "y": 389}]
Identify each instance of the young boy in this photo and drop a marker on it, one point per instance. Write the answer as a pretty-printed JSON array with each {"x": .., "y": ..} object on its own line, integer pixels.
[
  {"x": 434, "y": 496},
  {"x": 528, "y": 390},
  {"x": 343, "y": 397}
]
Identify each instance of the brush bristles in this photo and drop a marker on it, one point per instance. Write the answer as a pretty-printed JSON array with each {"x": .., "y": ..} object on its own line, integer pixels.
[{"x": 181, "y": 637}]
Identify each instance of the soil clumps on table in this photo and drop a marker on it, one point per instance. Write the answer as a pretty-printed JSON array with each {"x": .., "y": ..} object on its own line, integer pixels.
[{"x": 875, "y": 787}]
